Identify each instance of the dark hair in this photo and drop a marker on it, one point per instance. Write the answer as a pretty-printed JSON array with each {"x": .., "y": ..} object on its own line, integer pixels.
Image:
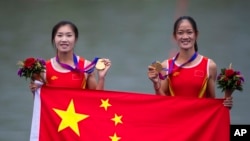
[
  {"x": 62, "y": 23},
  {"x": 192, "y": 22}
]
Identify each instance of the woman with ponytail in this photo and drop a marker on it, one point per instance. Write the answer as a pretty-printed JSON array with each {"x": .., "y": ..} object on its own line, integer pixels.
[{"x": 188, "y": 73}]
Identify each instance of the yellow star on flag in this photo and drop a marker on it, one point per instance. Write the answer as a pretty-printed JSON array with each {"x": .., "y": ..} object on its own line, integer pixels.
[
  {"x": 70, "y": 118},
  {"x": 117, "y": 119},
  {"x": 114, "y": 137},
  {"x": 105, "y": 104}
]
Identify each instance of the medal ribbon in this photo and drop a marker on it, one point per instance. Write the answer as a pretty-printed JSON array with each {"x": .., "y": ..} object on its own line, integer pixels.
[
  {"x": 88, "y": 69},
  {"x": 170, "y": 70}
]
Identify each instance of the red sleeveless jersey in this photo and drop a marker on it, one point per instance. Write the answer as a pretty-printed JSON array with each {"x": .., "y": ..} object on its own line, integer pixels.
[
  {"x": 69, "y": 79},
  {"x": 189, "y": 81}
]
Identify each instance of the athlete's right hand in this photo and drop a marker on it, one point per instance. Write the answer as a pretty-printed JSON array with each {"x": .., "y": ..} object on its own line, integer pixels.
[
  {"x": 153, "y": 75},
  {"x": 34, "y": 85}
]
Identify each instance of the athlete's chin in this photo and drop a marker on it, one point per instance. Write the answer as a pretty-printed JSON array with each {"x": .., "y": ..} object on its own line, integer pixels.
[
  {"x": 64, "y": 50},
  {"x": 186, "y": 47}
]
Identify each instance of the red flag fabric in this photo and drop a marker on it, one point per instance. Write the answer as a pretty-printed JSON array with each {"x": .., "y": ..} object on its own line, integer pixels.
[{"x": 62, "y": 114}]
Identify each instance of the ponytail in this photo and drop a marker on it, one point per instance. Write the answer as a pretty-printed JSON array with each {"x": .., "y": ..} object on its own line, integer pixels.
[{"x": 195, "y": 46}]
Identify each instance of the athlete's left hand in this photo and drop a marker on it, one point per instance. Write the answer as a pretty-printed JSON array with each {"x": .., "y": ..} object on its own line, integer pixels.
[
  {"x": 107, "y": 63},
  {"x": 228, "y": 102}
]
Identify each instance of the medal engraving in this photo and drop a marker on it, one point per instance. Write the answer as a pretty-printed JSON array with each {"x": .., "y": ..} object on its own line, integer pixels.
[
  {"x": 100, "y": 65},
  {"x": 157, "y": 65}
]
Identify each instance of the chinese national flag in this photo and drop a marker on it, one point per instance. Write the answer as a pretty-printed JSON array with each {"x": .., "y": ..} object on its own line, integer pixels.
[{"x": 86, "y": 115}]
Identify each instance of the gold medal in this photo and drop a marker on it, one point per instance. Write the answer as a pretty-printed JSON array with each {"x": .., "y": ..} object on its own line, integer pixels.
[
  {"x": 157, "y": 65},
  {"x": 100, "y": 64}
]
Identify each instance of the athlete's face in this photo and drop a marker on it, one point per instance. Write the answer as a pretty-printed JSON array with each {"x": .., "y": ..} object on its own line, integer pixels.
[
  {"x": 185, "y": 35},
  {"x": 65, "y": 39}
]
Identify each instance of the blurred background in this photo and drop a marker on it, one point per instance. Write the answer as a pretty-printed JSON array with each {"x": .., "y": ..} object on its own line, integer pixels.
[{"x": 132, "y": 33}]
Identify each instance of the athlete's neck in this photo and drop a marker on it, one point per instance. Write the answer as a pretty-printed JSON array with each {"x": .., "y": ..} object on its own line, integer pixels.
[
  {"x": 66, "y": 58},
  {"x": 185, "y": 55}
]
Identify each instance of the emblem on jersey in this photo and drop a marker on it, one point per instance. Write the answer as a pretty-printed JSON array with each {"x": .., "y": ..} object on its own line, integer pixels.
[
  {"x": 54, "y": 77},
  {"x": 176, "y": 73}
]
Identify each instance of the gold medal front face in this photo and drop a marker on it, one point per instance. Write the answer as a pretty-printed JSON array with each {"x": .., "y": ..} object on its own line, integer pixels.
[
  {"x": 157, "y": 65},
  {"x": 100, "y": 64}
]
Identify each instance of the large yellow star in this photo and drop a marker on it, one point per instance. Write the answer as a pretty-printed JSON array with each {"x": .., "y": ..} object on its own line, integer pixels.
[
  {"x": 105, "y": 104},
  {"x": 70, "y": 118},
  {"x": 117, "y": 119},
  {"x": 114, "y": 137}
]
